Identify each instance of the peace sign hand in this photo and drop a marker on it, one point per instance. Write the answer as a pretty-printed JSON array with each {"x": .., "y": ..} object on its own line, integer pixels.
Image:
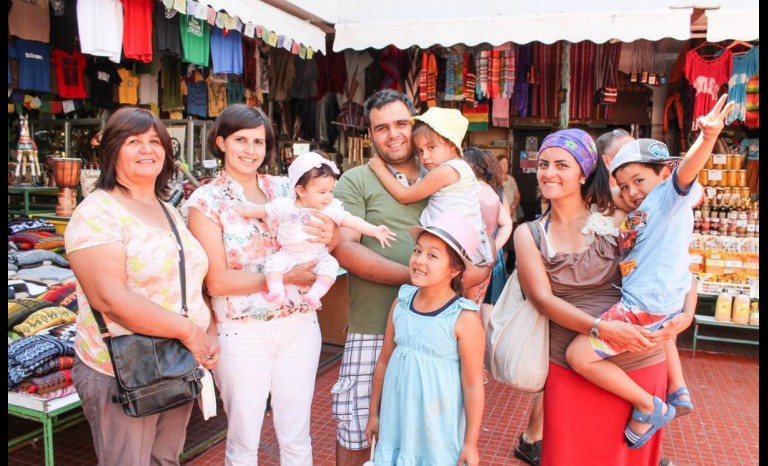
[{"x": 713, "y": 123}]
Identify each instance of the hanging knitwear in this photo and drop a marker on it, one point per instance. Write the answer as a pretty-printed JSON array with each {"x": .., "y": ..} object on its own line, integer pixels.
[
  {"x": 521, "y": 82},
  {"x": 509, "y": 74},
  {"x": 450, "y": 78},
  {"x": 423, "y": 77},
  {"x": 495, "y": 74},
  {"x": 469, "y": 78},
  {"x": 582, "y": 79},
  {"x": 477, "y": 116},
  {"x": 458, "y": 77},
  {"x": 390, "y": 63},
  {"x": 430, "y": 97},
  {"x": 413, "y": 78},
  {"x": 482, "y": 63}
]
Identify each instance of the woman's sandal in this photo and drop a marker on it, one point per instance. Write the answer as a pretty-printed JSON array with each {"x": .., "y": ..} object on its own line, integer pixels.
[
  {"x": 656, "y": 419},
  {"x": 682, "y": 407}
]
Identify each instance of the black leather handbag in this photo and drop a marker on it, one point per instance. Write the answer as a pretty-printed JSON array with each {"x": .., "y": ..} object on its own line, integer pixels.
[{"x": 153, "y": 374}]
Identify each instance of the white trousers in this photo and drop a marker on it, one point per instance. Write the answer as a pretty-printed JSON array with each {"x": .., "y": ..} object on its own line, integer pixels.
[{"x": 280, "y": 357}]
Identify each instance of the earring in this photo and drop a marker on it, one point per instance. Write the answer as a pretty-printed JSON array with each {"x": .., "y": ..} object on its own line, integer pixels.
[{"x": 583, "y": 181}]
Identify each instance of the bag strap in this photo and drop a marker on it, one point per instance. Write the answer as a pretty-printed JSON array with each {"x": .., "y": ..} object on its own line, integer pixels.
[
  {"x": 536, "y": 239},
  {"x": 182, "y": 277},
  {"x": 182, "y": 266}
]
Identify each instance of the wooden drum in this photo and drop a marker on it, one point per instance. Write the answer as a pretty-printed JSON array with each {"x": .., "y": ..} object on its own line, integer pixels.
[{"x": 66, "y": 172}]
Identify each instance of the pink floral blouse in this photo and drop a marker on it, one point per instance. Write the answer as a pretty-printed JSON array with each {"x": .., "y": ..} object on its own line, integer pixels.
[
  {"x": 151, "y": 267},
  {"x": 247, "y": 243}
]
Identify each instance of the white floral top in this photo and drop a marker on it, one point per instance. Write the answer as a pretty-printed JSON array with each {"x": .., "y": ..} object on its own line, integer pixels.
[
  {"x": 151, "y": 267},
  {"x": 599, "y": 224},
  {"x": 247, "y": 243}
]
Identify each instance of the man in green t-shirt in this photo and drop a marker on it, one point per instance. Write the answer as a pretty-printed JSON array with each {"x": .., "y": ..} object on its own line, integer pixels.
[{"x": 375, "y": 273}]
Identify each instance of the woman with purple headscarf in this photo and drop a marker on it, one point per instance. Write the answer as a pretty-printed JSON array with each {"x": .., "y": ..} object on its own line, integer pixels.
[{"x": 571, "y": 278}]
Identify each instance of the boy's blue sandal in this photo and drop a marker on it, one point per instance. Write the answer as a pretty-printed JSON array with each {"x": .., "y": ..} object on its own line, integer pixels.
[
  {"x": 656, "y": 419},
  {"x": 682, "y": 407}
]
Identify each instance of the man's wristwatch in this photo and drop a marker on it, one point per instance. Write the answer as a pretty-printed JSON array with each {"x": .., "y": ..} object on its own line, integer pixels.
[{"x": 594, "y": 332}]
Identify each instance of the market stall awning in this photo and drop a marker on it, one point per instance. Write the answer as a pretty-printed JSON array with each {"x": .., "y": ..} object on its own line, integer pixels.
[
  {"x": 544, "y": 21},
  {"x": 274, "y": 19},
  {"x": 727, "y": 23}
]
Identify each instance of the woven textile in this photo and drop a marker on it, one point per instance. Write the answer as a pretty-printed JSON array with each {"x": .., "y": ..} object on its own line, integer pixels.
[
  {"x": 582, "y": 79},
  {"x": 752, "y": 119},
  {"x": 47, "y": 383},
  {"x": 27, "y": 354},
  {"x": 53, "y": 365},
  {"x": 38, "y": 240},
  {"x": 25, "y": 224},
  {"x": 63, "y": 295},
  {"x": 36, "y": 258},
  {"x": 412, "y": 79}
]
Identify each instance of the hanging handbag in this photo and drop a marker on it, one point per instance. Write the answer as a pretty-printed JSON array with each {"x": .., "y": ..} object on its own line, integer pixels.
[
  {"x": 517, "y": 338},
  {"x": 153, "y": 374},
  {"x": 607, "y": 91}
]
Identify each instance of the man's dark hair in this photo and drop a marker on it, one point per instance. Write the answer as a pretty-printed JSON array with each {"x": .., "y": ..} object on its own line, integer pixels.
[{"x": 385, "y": 97}]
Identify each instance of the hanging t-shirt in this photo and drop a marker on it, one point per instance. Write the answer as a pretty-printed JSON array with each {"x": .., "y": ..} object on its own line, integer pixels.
[
  {"x": 137, "y": 38},
  {"x": 148, "y": 91},
  {"x": 167, "y": 35},
  {"x": 170, "y": 81},
  {"x": 100, "y": 24},
  {"x": 30, "y": 20},
  {"x": 744, "y": 67},
  {"x": 128, "y": 91},
  {"x": 751, "y": 147},
  {"x": 217, "y": 96},
  {"x": 63, "y": 25},
  {"x": 706, "y": 76},
  {"x": 197, "y": 98},
  {"x": 70, "y": 68},
  {"x": 226, "y": 51},
  {"x": 235, "y": 93},
  {"x": 104, "y": 78},
  {"x": 195, "y": 40},
  {"x": 34, "y": 65}
]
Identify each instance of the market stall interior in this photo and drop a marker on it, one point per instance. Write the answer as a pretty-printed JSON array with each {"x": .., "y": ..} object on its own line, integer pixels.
[{"x": 515, "y": 71}]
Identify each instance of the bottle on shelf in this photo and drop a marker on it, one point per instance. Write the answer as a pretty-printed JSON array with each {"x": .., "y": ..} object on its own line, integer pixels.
[
  {"x": 705, "y": 225},
  {"x": 723, "y": 307},
  {"x": 754, "y": 313},
  {"x": 740, "y": 313}
]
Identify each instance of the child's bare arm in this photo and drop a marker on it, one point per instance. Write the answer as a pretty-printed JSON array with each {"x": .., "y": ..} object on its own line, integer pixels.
[
  {"x": 380, "y": 232},
  {"x": 372, "y": 429},
  {"x": 250, "y": 211},
  {"x": 710, "y": 125},
  {"x": 471, "y": 343},
  {"x": 438, "y": 178}
]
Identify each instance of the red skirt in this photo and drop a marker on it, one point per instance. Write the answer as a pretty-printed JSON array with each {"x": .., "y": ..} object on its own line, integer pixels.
[{"x": 584, "y": 424}]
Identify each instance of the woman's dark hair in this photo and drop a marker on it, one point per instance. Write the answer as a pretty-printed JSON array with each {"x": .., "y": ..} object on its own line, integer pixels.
[
  {"x": 126, "y": 122},
  {"x": 382, "y": 98},
  {"x": 317, "y": 172},
  {"x": 486, "y": 167},
  {"x": 597, "y": 189},
  {"x": 237, "y": 117},
  {"x": 455, "y": 262}
]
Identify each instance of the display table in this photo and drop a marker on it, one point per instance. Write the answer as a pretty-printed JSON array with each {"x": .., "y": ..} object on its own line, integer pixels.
[
  {"x": 699, "y": 320},
  {"x": 23, "y": 200},
  {"x": 57, "y": 413}
]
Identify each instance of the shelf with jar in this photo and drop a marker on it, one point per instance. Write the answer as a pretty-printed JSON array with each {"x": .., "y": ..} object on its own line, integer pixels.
[{"x": 726, "y": 263}]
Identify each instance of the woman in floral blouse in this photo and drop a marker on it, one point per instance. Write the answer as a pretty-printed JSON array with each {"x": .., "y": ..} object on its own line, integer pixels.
[{"x": 263, "y": 348}]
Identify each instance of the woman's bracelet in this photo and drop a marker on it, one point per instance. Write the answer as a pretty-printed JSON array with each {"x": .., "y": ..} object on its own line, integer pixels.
[{"x": 194, "y": 329}]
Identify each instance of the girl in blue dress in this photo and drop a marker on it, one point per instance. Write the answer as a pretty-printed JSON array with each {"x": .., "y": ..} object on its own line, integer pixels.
[{"x": 428, "y": 395}]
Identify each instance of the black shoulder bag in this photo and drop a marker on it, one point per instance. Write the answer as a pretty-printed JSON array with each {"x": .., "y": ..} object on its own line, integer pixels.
[{"x": 153, "y": 374}]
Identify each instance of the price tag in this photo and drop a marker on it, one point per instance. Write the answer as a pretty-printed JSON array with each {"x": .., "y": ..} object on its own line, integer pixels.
[
  {"x": 300, "y": 148},
  {"x": 719, "y": 159},
  {"x": 209, "y": 163}
]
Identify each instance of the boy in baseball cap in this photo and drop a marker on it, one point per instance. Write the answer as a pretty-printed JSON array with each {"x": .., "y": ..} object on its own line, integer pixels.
[
  {"x": 653, "y": 245},
  {"x": 312, "y": 178}
]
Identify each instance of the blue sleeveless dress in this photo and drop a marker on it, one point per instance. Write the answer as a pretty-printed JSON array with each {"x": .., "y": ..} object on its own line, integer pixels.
[{"x": 422, "y": 419}]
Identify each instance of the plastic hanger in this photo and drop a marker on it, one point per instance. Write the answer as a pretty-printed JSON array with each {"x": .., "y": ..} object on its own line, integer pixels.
[
  {"x": 737, "y": 43},
  {"x": 707, "y": 44}
]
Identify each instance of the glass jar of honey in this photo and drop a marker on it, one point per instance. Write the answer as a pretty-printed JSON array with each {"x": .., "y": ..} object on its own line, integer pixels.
[
  {"x": 704, "y": 177},
  {"x": 707, "y": 165},
  {"x": 741, "y": 177}
]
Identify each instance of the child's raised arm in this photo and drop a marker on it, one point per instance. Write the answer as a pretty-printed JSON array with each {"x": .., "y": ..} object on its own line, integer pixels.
[
  {"x": 471, "y": 341},
  {"x": 381, "y": 232},
  {"x": 710, "y": 125},
  {"x": 438, "y": 178},
  {"x": 388, "y": 347}
]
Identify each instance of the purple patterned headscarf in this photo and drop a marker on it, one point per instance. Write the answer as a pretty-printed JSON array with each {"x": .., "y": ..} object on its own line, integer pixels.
[{"x": 578, "y": 143}]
